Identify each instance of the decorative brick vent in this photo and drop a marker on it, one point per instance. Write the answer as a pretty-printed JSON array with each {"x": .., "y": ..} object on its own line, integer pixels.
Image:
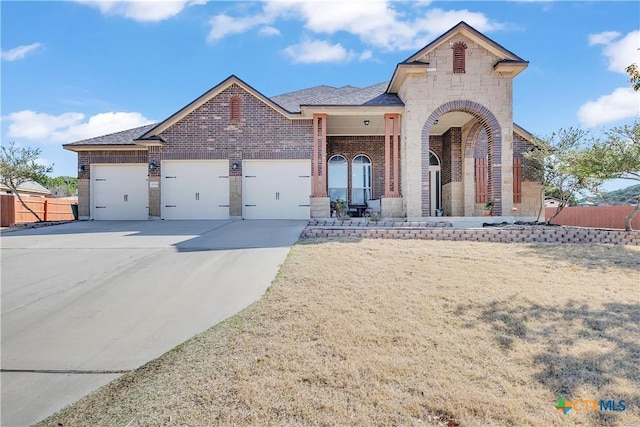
[{"x": 440, "y": 231}]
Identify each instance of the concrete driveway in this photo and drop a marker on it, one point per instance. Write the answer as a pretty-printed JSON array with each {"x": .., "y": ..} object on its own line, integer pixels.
[{"x": 84, "y": 302}]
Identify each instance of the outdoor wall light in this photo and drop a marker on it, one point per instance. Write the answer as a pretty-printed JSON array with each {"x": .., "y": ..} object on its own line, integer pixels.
[
  {"x": 235, "y": 165},
  {"x": 436, "y": 122},
  {"x": 366, "y": 122},
  {"x": 153, "y": 164},
  {"x": 80, "y": 168}
]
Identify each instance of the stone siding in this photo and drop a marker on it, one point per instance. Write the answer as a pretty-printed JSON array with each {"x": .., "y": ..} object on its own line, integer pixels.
[{"x": 423, "y": 95}]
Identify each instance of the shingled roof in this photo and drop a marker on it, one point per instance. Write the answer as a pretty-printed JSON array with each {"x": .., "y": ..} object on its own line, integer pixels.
[
  {"x": 318, "y": 95},
  {"x": 328, "y": 95},
  {"x": 124, "y": 137}
]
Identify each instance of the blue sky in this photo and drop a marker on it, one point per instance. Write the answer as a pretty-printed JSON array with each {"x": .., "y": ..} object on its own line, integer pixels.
[{"x": 76, "y": 69}]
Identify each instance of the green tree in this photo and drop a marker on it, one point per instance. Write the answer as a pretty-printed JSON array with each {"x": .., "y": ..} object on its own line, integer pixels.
[
  {"x": 634, "y": 76},
  {"x": 17, "y": 166},
  {"x": 553, "y": 162},
  {"x": 60, "y": 186},
  {"x": 616, "y": 156}
]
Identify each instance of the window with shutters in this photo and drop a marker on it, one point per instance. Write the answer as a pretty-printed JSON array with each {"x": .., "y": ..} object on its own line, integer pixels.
[
  {"x": 458, "y": 57},
  {"x": 517, "y": 180},
  {"x": 481, "y": 180},
  {"x": 235, "y": 109}
]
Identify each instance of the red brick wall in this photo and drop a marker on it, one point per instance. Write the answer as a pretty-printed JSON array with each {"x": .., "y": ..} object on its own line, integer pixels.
[
  {"x": 86, "y": 158},
  {"x": 521, "y": 146},
  {"x": 451, "y": 161},
  {"x": 372, "y": 147},
  {"x": 261, "y": 133}
]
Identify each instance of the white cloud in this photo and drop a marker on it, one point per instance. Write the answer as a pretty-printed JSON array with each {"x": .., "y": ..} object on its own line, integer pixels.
[
  {"x": 19, "y": 52},
  {"x": 622, "y": 103},
  {"x": 605, "y": 37},
  {"x": 269, "y": 31},
  {"x": 377, "y": 23},
  {"x": 314, "y": 51},
  {"x": 141, "y": 10},
  {"x": 224, "y": 25},
  {"x": 69, "y": 127},
  {"x": 620, "y": 52},
  {"x": 365, "y": 55}
]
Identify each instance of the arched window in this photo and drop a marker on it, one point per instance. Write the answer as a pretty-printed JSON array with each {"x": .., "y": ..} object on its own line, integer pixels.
[
  {"x": 337, "y": 178},
  {"x": 458, "y": 57},
  {"x": 235, "y": 109},
  {"x": 360, "y": 180}
]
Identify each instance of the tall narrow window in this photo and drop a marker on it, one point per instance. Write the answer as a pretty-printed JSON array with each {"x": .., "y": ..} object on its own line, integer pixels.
[
  {"x": 337, "y": 178},
  {"x": 235, "y": 109},
  {"x": 458, "y": 57},
  {"x": 517, "y": 180},
  {"x": 360, "y": 180}
]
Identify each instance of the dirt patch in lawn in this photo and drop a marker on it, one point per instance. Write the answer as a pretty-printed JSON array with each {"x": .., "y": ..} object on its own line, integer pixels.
[{"x": 405, "y": 332}]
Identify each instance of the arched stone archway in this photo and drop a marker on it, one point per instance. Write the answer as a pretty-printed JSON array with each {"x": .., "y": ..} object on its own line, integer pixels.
[{"x": 489, "y": 122}]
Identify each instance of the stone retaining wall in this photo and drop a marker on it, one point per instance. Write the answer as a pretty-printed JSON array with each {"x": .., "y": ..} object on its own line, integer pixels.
[
  {"x": 378, "y": 224},
  {"x": 531, "y": 235}
]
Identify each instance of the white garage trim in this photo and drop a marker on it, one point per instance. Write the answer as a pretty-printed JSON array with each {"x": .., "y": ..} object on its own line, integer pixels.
[
  {"x": 276, "y": 189},
  {"x": 119, "y": 191},
  {"x": 194, "y": 189}
]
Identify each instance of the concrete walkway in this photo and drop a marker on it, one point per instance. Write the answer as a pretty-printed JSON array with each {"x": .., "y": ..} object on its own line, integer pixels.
[{"x": 86, "y": 301}]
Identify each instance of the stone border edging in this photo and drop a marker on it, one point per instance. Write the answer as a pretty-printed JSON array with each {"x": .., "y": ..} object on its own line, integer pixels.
[
  {"x": 540, "y": 235},
  {"x": 378, "y": 224}
]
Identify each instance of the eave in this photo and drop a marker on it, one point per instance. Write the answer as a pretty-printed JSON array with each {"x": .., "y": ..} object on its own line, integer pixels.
[
  {"x": 403, "y": 70},
  {"x": 349, "y": 110},
  {"x": 210, "y": 94},
  {"x": 105, "y": 147},
  {"x": 508, "y": 68}
]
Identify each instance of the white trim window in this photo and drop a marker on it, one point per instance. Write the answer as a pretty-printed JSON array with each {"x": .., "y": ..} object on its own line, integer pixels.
[
  {"x": 360, "y": 180},
  {"x": 337, "y": 178}
]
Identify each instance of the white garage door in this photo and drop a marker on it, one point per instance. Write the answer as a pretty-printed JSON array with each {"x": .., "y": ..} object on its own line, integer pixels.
[
  {"x": 195, "y": 189},
  {"x": 276, "y": 189},
  {"x": 119, "y": 192}
]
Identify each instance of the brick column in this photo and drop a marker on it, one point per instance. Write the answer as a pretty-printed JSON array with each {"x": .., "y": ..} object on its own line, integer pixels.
[{"x": 319, "y": 160}]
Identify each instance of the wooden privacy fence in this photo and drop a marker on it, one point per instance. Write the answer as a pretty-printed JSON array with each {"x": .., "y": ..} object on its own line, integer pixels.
[
  {"x": 12, "y": 211},
  {"x": 594, "y": 216}
]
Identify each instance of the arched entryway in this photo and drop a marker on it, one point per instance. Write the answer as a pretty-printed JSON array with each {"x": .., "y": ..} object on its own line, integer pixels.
[
  {"x": 435, "y": 183},
  {"x": 490, "y": 124}
]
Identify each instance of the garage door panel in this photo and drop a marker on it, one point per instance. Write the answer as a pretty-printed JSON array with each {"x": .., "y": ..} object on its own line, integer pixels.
[
  {"x": 195, "y": 189},
  {"x": 119, "y": 192},
  {"x": 276, "y": 189}
]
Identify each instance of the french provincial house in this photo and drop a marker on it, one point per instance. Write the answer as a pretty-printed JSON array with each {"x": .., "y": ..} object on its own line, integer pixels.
[{"x": 438, "y": 138}]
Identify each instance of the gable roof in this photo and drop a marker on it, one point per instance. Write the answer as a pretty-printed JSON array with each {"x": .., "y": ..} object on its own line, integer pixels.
[
  {"x": 346, "y": 95},
  {"x": 202, "y": 99},
  {"x": 508, "y": 61},
  {"x": 470, "y": 32},
  {"x": 124, "y": 137}
]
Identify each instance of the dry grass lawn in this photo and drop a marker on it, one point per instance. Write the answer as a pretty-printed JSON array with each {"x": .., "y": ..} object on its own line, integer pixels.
[{"x": 402, "y": 332}]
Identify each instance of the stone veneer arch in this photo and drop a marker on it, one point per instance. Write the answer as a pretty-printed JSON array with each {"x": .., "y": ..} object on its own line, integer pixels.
[{"x": 494, "y": 149}]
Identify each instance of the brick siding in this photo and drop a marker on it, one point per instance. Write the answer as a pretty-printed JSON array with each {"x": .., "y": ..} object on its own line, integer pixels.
[
  {"x": 372, "y": 146},
  {"x": 261, "y": 133},
  {"x": 87, "y": 158},
  {"x": 451, "y": 167},
  {"x": 521, "y": 146}
]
